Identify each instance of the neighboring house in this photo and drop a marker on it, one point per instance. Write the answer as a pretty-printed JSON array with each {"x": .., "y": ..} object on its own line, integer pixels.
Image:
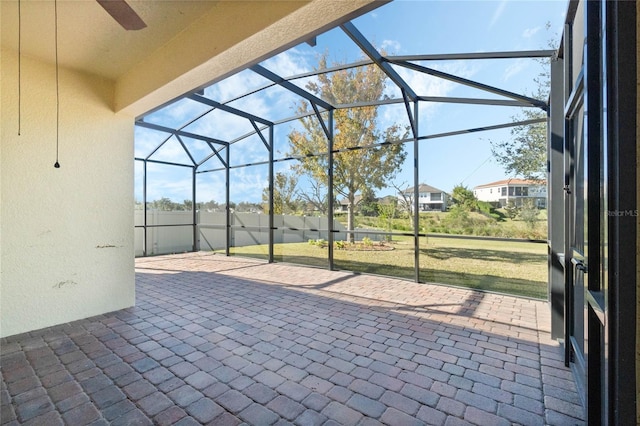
[
  {"x": 517, "y": 190},
  {"x": 429, "y": 198},
  {"x": 343, "y": 204}
]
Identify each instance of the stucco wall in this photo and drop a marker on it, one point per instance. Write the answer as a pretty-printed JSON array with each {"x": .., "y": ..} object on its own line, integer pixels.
[{"x": 67, "y": 239}]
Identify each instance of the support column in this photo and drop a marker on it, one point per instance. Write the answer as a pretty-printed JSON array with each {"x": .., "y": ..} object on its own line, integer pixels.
[
  {"x": 330, "y": 237},
  {"x": 271, "y": 191},
  {"x": 194, "y": 213},
  {"x": 416, "y": 193},
  {"x": 555, "y": 199},
  {"x": 228, "y": 209}
]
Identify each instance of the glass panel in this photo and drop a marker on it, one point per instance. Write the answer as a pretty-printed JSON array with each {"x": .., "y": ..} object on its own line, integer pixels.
[
  {"x": 169, "y": 239},
  {"x": 199, "y": 149},
  {"x": 305, "y": 58},
  {"x": 235, "y": 86},
  {"x": 138, "y": 239},
  {"x": 147, "y": 140},
  {"x": 462, "y": 167},
  {"x": 177, "y": 114},
  {"x": 376, "y": 226},
  {"x": 437, "y": 118},
  {"x": 249, "y": 224},
  {"x": 211, "y": 202},
  {"x": 221, "y": 125},
  {"x": 300, "y": 219},
  {"x": 173, "y": 152},
  {"x": 517, "y": 268},
  {"x": 273, "y": 103},
  {"x": 138, "y": 193},
  {"x": 250, "y": 243},
  {"x": 488, "y": 26},
  {"x": 323, "y": 85},
  {"x": 215, "y": 162},
  {"x": 169, "y": 196},
  {"x": 249, "y": 150}
]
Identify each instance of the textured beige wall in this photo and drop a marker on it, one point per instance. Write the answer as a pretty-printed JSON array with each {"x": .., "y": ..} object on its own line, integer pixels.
[{"x": 67, "y": 240}]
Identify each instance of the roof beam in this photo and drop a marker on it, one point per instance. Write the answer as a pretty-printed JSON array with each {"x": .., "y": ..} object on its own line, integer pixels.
[
  {"x": 474, "y": 84},
  {"x": 171, "y": 131},
  {"x": 377, "y": 58},
  {"x": 514, "y": 54},
  {"x": 259, "y": 69},
  {"x": 227, "y": 108},
  {"x": 482, "y": 129}
]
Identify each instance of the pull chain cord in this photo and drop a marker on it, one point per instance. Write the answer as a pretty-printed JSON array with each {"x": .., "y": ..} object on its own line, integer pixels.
[
  {"x": 19, "y": 67},
  {"x": 57, "y": 164}
]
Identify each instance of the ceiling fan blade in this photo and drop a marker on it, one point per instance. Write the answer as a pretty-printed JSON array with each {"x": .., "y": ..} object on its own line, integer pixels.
[{"x": 123, "y": 14}]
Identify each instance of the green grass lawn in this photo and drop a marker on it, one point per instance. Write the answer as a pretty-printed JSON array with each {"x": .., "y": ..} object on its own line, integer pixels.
[{"x": 518, "y": 268}]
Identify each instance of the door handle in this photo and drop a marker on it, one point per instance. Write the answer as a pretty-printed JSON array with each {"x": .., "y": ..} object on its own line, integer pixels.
[{"x": 579, "y": 264}]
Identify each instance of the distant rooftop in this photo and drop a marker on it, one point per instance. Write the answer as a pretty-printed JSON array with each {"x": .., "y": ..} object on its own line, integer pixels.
[
  {"x": 423, "y": 187},
  {"x": 513, "y": 181}
]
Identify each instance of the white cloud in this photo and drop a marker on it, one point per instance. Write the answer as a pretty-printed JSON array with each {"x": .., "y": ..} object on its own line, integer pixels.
[
  {"x": 288, "y": 63},
  {"x": 497, "y": 14},
  {"x": 514, "y": 69},
  {"x": 530, "y": 32},
  {"x": 391, "y": 46},
  {"x": 424, "y": 85}
]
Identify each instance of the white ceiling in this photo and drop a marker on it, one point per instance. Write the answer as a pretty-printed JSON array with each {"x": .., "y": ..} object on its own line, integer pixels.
[{"x": 89, "y": 39}]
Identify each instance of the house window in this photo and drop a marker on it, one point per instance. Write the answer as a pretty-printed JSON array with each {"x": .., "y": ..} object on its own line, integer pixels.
[
  {"x": 503, "y": 191},
  {"x": 436, "y": 196},
  {"x": 511, "y": 190},
  {"x": 525, "y": 191},
  {"x": 518, "y": 191}
]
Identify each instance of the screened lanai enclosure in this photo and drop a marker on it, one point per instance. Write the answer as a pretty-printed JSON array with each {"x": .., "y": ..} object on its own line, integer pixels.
[{"x": 349, "y": 151}]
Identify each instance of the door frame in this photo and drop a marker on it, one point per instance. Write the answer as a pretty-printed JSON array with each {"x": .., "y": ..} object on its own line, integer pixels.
[
  {"x": 622, "y": 80},
  {"x": 612, "y": 36}
]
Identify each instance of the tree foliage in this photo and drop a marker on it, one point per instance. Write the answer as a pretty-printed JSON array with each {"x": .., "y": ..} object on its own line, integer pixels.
[
  {"x": 358, "y": 168},
  {"x": 529, "y": 213},
  {"x": 284, "y": 191},
  {"x": 463, "y": 198},
  {"x": 524, "y": 154}
]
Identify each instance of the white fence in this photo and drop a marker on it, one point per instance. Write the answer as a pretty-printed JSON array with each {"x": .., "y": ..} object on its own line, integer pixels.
[{"x": 247, "y": 229}]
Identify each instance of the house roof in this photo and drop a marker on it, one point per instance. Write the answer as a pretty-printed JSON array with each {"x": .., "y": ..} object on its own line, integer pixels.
[
  {"x": 423, "y": 187},
  {"x": 512, "y": 181}
]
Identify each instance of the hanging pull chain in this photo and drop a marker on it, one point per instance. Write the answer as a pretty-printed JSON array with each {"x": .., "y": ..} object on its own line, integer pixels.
[
  {"x": 19, "y": 66},
  {"x": 57, "y": 164}
]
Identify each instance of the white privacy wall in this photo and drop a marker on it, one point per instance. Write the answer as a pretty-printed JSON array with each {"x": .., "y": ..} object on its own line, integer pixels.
[{"x": 66, "y": 248}]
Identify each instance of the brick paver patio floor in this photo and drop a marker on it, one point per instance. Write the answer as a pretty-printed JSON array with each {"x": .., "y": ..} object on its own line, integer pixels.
[{"x": 225, "y": 341}]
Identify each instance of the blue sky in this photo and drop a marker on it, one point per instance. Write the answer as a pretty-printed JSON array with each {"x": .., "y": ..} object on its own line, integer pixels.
[{"x": 402, "y": 27}]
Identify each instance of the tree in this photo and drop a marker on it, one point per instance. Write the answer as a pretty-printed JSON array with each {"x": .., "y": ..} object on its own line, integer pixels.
[
  {"x": 463, "y": 197},
  {"x": 525, "y": 153},
  {"x": 315, "y": 195},
  {"x": 387, "y": 212},
  {"x": 511, "y": 209},
  {"x": 284, "y": 190},
  {"x": 165, "y": 204},
  {"x": 360, "y": 166},
  {"x": 368, "y": 203},
  {"x": 529, "y": 213},
  {"x": 405, "y": 200}
]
